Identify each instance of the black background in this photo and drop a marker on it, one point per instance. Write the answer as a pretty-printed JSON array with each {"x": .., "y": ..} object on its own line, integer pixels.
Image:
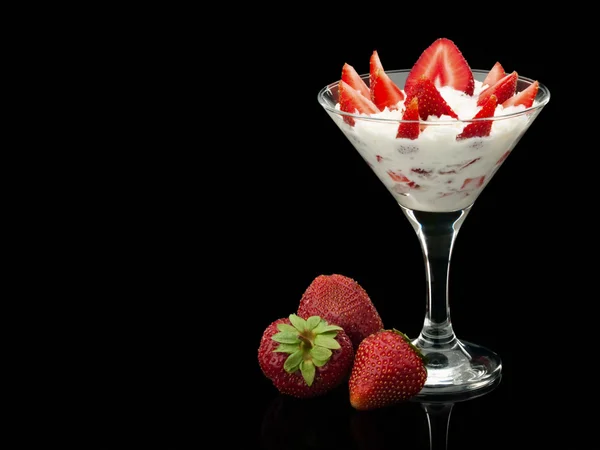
[{"x": 232, "y": 225}]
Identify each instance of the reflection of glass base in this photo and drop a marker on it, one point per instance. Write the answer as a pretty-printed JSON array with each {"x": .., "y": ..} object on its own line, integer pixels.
[{"x": 459, "y": 370}]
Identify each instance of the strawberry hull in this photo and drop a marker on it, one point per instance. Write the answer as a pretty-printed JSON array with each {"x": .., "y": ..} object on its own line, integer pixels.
[
  {"x": 431, "y": 172},
  {"x": 327, "y": 376}
]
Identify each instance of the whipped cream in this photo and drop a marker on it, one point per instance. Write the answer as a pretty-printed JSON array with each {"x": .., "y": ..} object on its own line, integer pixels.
[{"x": 436, "y": 172}]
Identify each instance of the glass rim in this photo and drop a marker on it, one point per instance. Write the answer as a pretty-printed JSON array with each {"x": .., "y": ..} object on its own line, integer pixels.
[{"x": 543, "y": 97}]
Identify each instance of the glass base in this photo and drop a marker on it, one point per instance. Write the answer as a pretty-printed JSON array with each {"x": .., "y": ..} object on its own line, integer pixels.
[{"x": 461, "y": 369}]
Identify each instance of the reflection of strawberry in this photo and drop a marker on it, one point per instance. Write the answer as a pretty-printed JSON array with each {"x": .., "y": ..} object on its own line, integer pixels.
[
  {"x": 384, "y": 429},
  {"x": 352, "y": 101},
  {"x": 305, "y": 358},
  {"x": 525, "y": 97},
  {"x": 503, "y": 89},
  {"x": 410, "y": 130},
  {"x": 351, "y": 76},
  {"x": 494, "y": 75},
  {"x": 431, "y": 102},
  {"x": 444, "y": 64},
  {"x": 384, "y": 92},
  {"x": 387, "y": 369},
  {"x": 294, "y": 424},
  {"x": 484, "y": 127},
  {"x": 341, "y": 300}
]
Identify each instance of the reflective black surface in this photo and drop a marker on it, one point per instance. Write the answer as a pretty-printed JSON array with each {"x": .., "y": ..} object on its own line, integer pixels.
[{"x": 213, "y": 246}]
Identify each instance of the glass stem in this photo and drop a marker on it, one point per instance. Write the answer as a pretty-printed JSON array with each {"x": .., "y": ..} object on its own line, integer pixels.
[
  {"x": 437, "y": 233},
  {"x": 438, "y": 420}
]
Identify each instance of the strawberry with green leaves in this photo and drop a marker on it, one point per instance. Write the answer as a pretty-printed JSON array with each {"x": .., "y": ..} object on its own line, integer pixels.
[
  {"x": 305, "y": 358},
  {"x": 388, "y": 369}
]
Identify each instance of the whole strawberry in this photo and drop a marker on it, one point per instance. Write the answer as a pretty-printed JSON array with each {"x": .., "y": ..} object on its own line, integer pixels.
[
  {"x": 305, "y": 358},
  {"x": 387, "y": 369},
  {"x": 341, "y": 300}
]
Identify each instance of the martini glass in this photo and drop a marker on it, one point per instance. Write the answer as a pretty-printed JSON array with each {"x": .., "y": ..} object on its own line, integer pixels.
[{"x": 436, "y": 179}]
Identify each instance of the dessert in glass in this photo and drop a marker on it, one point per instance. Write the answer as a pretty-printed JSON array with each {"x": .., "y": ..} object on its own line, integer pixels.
[{"x": 435, "y": 135}]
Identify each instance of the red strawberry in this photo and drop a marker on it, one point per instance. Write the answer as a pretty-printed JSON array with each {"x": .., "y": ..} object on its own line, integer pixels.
[
  {"x": 525, "y": 97},
  {"x": 387, "y": 370},
  {"x": 410, "y": 130},
  {"x": 384, "y": 92},
  {"x": 351, "y": 76},
  {"x": 494, "y": 75},
  {"x": 341, "y": 300},
  {"x": 431, "y": 102},
  {"x": 305, "y": 358},
  {"x": 444, "y": 64},
  {"x": 503, "y": 89},
  {"x": 352, "y": 101},
  {"x": 481, "y": 128}
]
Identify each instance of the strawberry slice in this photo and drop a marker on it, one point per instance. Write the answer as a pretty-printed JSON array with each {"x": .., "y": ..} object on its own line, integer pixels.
[
  {"x": 351, "y": 76},
  {"x": 503, "y": 157},
  {"x": 525, "y": 97},
  {"x": 384, "y": 92},
  {"x": 473, "y": 183},
  {"x": 481, "y": 128},
  {"x": 410, "y": 130},
  {"x": 444, "y": 64},
  {"x": 503, "y": 89},
  {"x": 431, "y": 102},
  {"x": 494, "y": 75},
  {"x": 352, "y": 101},
  {"x": 400, "y": 178},
  {"x": 397, "y": 176}
]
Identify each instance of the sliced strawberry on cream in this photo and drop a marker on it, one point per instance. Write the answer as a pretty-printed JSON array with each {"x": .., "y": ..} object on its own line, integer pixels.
[
  {"x": 525, "y": 97},
  {"x": 351, "y": 76},
  {"x": 431, "y": 102},
  {"x": 494, "y": 75},
  {"x": 444, "y": 64},
  {"x": 484, "y": 127},
  {"x": 384, "y": 92},
  {"x": 436, "y": 139},
  {"x": 410, "y": 130},
  {"x": 353, "y": 102},
  {"x": 503, "y": 89}
]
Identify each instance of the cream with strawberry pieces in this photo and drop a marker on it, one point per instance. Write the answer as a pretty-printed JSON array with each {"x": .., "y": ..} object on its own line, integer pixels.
[{"x": 435, "y": 134}]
